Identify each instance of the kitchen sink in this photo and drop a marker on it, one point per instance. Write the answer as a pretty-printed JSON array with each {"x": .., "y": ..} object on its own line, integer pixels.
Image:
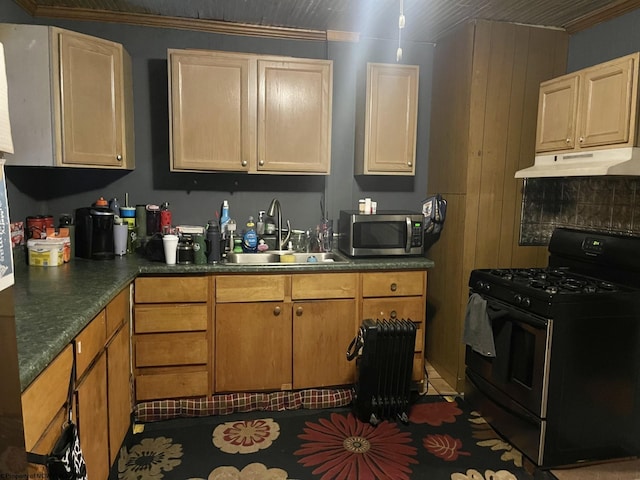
[{"x": 284, "y": 257}]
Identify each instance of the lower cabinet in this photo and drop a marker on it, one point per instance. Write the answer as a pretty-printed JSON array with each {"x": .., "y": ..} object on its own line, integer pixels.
[
  {"x": 201, "y": 335},
  {"x": 93, "y": 419},
  {"x": 398, "y": 295},
  {"x": 171, "y": 337},
  {"x": 102, "y": 398},
  {"x": 252, "y": 333}
]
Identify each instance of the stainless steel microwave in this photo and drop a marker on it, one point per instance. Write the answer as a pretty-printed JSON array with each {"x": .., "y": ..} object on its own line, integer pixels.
[{"x": 386, "y": 233}]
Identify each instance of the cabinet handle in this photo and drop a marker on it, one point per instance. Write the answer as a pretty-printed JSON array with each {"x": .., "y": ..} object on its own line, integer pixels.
[
  {"x": 394, "y": 287},
  {"x": 79, "y": 347},
  {"x": 261, "y": 163},
  {"x": 299, "y": 311},
  {"x": 276, "y": 311},
  {"x": 244, "y": 163},
  {"x": 119, "y": 158},
  {"x": 393, "y": 314}
]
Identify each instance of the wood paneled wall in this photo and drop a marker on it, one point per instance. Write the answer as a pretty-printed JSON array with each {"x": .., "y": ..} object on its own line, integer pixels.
[{"x": 485, "y": 92}]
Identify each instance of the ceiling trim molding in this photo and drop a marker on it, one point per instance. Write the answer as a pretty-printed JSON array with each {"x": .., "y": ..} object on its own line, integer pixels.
[
  {"x": 342, "y": 36},
  {"x": 150, "y": 20},
  {"x": 603, "y": 14}
]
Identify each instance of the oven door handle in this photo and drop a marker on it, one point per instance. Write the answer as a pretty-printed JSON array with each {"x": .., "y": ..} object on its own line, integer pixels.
[{"x": 518, "y": 314}]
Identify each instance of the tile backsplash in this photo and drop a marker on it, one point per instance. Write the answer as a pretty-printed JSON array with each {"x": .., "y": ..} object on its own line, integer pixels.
[{"x": 609, "y": 204}]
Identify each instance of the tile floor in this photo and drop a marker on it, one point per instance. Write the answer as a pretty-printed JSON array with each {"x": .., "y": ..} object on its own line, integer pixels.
[{"x": 436, "y": 385}]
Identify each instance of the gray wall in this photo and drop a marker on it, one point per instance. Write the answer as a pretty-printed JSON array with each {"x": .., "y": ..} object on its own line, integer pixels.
[{"x": 194, "y": 198}]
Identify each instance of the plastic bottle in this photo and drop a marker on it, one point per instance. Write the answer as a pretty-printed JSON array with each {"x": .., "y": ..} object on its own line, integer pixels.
[
  {"x": 260, "y": 223},
  {"x": 250, "y": 238},
  {"x": 224, "y": 217},
  {"x": 165, "y": 218},
  {"x": 213, "y": 242}
]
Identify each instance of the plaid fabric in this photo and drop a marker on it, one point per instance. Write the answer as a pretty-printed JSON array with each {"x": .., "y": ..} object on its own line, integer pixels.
[{"x": 225, "y": 404}]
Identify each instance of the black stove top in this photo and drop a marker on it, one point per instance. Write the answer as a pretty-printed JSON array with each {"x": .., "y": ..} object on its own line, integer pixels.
[{"x": 556, "y": 280}]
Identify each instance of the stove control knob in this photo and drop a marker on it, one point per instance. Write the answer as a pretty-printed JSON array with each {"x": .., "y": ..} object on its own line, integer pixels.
[
  {"x": 526, "y": 302},
  {"x": 518, "y": 299}
]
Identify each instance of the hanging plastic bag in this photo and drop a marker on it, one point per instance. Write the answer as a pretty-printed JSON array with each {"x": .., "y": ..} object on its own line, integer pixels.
[{"x": 434, "y": 209}]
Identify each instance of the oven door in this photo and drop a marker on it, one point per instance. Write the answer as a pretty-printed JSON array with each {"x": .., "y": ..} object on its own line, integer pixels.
[{"x": 520, "y": 368}]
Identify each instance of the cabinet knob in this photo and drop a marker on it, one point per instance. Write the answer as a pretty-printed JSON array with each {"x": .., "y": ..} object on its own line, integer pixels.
[
  {"x": 409, "y": 164},
  {"x": 244, "y": 163},
  {"x": 581, "y": 140},
  {"x": 299, "y": 311},
  {"x": 394, "y": 287},
  {"x": 261, "y": 163},
  {"x": 119, "y": 158},
  {"x": 568, "y": 140},
  {"x": 393, "y": 314},
  {"x": 276, "y": 311}
]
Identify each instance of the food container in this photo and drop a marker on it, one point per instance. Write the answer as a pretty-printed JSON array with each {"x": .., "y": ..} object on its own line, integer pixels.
[{"x": 46, "y": 253}]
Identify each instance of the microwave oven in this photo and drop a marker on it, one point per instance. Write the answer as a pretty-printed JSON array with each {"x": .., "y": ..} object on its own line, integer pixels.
[{"x": 386, "y": 233}]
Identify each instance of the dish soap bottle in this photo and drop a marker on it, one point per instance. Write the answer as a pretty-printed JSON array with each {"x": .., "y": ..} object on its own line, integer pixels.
[{"x": 250, "y": 238}]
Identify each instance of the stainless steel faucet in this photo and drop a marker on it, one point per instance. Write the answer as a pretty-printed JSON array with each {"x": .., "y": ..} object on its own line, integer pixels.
[{"x": 276, "y": 210}]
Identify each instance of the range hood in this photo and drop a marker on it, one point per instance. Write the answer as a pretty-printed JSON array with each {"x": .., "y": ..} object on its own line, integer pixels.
[{"x": 614, "y": 161}]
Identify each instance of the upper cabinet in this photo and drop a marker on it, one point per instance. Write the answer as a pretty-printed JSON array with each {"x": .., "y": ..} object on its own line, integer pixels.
[
  {"x": 591, "y": 108},
  {"x": 70, "y": 98},
  {"x": 387, "y": 118},
  {"x": 249, "y": 113}
]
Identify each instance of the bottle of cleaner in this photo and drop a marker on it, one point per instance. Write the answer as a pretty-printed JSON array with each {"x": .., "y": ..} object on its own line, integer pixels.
[
  {"x": 224, "y": 217},
  {"x": 250, "y": 238}
]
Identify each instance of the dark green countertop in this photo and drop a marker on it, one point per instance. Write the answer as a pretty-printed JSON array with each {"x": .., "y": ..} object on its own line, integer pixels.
[{"x": 54, "y": 304}]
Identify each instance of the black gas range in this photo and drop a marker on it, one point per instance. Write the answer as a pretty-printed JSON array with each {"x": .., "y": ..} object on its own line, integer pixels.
[{"x": 564, "y": 384}]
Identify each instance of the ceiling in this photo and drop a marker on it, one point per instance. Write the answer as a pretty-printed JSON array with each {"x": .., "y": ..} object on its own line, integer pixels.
[{"x": 426, "y": 20}]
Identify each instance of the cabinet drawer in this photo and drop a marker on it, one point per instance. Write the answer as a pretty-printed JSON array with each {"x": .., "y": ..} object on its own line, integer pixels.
[
  {"x": 174, "y": 384},
  {"x": 391, "y": 284},
  {"x": 324, "y": 285},
  {"x": 117, "y": 311},
  {"x": 251, "y": 288},
  {"x": 165, "y": 349},
  {"x": 185, "y": 317},
  {"x": 391, "y": 308},
  {"x": 171, "y": 289},
  {"x": 90, "y": 342},
  {"x": 44, "y": 398}
]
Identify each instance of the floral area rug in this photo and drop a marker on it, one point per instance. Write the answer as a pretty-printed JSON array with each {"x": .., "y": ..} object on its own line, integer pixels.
[{"x": 443, "y": 440}]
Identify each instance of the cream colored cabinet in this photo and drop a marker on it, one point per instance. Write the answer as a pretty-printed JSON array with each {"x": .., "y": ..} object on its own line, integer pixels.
[
  {"x": 93, "y": 420},
  {"x": 398, "y": 296},
  {"x": 172, "y": 344},
  {"x": 324, "y": 322},
  {"x": 253, "y": 333},
  {"x": 249, "y": 113},
  {"x": 70, "y": 98},
  {"x": 591, "y": 108},
  {"x": 387, "y": 118},
  {"x": 119, "y": 370}
]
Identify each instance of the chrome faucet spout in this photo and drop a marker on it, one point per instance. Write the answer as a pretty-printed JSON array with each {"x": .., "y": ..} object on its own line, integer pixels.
[{"x": 276, "y": 210}]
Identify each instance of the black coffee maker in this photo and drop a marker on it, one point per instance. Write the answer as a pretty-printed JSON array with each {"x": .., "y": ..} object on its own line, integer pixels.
[{"x": 94, "y": 233}]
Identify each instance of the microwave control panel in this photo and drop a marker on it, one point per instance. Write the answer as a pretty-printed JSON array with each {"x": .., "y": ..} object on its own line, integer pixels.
[{"x": 416, "y": 234}]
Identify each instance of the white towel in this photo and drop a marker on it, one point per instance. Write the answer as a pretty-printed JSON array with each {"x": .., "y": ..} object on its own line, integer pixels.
[{"x": 478, "y": 333}]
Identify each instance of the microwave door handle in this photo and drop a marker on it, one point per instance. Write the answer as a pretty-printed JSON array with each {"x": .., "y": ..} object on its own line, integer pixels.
[{"x": 407, "y": 247}]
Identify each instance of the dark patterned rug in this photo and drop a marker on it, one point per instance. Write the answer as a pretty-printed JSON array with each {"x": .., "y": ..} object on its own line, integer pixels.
[{"x": 443, "y": 440}]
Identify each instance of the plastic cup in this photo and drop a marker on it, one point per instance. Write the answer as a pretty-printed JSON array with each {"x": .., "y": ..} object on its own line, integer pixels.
[
  {"x": 120, "y": 235},
  {"x": 170, "y": 243}
]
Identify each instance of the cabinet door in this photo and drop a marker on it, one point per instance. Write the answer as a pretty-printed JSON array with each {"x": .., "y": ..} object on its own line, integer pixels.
[
  {"x": 93, "y": 425},
  {"x": 411, "y": 308},
  {"x": 118, "y": 390},
  {"x": 92, "y": 102},
  {"x": 253, "y": 346},
  {"x": 213, "y": 105},
  {"x": 607, "y": 95},
  {"x": 294, "y": 116},
  {"x": 322, "y": 331},
  {"x": 557, "y": 112},
  {"x": 391, "y": 117}
]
